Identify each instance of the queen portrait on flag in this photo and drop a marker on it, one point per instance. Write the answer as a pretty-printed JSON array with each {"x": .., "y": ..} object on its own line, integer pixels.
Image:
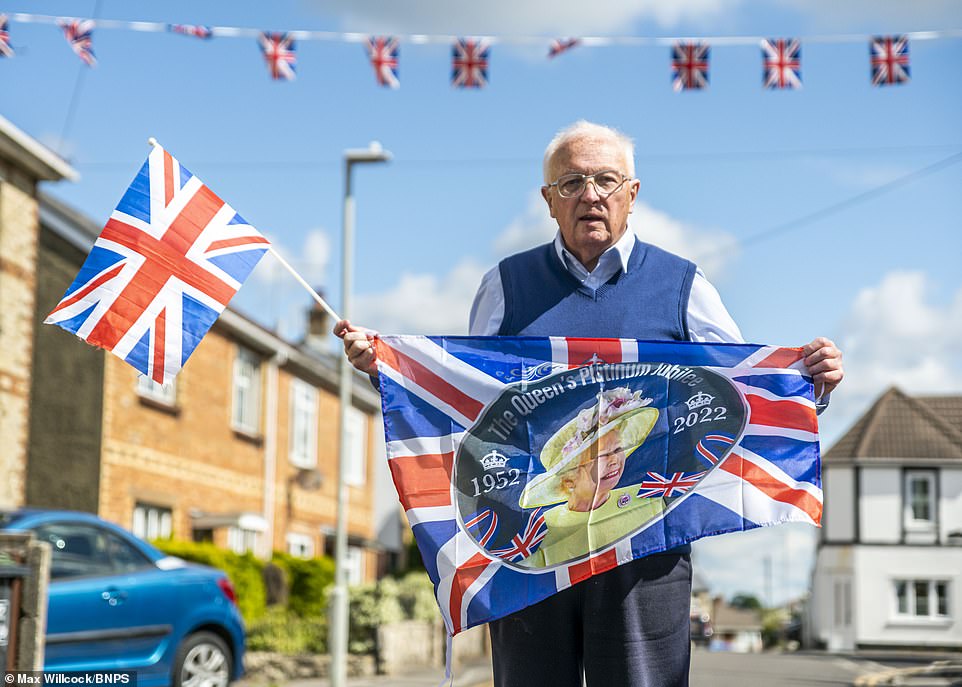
[{"x": 584, "y": 461}]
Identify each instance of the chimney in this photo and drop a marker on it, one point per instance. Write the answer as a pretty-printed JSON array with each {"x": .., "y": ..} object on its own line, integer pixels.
[{"x": 319, "y": 326}]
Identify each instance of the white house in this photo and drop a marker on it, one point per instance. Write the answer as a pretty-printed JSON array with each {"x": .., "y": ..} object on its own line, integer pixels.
[{"x": 888, "y": 570}]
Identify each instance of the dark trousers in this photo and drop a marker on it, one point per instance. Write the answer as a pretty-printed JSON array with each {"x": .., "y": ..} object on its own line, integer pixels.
[{"x": 627, "y": 626}]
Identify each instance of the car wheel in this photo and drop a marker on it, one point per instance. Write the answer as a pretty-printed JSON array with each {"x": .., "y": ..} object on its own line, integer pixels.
[{"x": 203, "y": 660}]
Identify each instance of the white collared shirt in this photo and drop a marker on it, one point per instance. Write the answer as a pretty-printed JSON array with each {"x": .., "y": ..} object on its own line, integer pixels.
[{"x": 708, "y": 319}]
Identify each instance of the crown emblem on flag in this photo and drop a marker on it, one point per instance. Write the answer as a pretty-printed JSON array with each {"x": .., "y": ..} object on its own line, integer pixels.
[
  {"x": 493, "y": 460},
  {"x": 699, "y": 400}
]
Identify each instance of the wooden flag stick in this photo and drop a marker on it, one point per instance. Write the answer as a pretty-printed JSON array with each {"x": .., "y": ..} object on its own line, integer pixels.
[{"x": 320, "y": 301}]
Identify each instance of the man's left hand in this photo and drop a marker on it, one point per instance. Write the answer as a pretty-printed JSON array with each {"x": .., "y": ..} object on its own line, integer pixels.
[{"x": 824, "y": 363}]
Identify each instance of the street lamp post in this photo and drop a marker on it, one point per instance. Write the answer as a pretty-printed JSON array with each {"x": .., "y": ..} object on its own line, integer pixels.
[{"x": 339, "y": 617}]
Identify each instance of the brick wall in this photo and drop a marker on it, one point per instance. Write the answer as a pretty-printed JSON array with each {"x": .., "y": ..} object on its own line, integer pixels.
[{"x": 18, "y": 253}]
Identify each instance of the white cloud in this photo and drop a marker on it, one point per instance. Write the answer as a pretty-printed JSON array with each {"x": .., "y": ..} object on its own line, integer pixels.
[
  {"x": 433, "y": 304},
  {"x": 908, "y": 16},
  {"x": 494, "y": 17},
  {"x": 896, "y": 335},
  {"x": 423, "y": 303},
  {"x": 736, "y": 562}
]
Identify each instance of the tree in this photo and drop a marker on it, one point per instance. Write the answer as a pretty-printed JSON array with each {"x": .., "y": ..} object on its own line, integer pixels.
[{"x": 746, "y": 602}]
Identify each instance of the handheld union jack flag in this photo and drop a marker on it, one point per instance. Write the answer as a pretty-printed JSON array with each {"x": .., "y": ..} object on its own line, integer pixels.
[
  {"x": 168, "y": 261},
  {"x": 79, "y": 34},
  {"x": 383, "y": 52},
  {"x": 689, "y": 65},
  {"x": 890, "y": 60},
  {"x": 5, "y": 49},
  {"x": 528, "y": 464},
  {"x": 279, "y": 53},
  {"x": 195, "y": 30},
  {"x": 782, "y": 63},
  {"x": 469, "y": 63},
  {"x": 560, "y": 45}
]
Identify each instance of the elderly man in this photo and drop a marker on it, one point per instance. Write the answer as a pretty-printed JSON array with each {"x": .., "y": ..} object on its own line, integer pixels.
[{"x": 627, "y": 626}]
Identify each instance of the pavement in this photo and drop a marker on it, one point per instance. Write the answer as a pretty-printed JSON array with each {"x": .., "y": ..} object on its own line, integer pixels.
[
  {"x": 470, "y": 674},
  {"x": 918, "y": 671}
]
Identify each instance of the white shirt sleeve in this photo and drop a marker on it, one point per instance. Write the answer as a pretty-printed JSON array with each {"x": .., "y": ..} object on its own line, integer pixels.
[
  {"x": 708, "y": 318},
  {"x": 487, "y": 311}
]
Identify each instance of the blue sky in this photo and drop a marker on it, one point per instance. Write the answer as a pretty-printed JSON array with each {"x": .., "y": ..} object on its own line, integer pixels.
[{"x": 719, "y": 168}]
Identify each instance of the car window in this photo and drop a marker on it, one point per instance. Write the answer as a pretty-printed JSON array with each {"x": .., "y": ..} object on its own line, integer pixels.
[{"x": 83, "y": 550}]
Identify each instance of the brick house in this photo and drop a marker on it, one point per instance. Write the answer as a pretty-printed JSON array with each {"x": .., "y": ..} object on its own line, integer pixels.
[
  {"x": 24, "y": 163},
  {"x": 240, "y": 450}
]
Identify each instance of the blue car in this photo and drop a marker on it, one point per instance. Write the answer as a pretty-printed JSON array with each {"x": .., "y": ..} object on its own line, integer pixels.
[{"x": 117, "y": 603}]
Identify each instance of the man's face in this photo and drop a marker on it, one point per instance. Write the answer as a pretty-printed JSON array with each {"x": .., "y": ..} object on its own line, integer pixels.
[{"x": 590, "y": 224}]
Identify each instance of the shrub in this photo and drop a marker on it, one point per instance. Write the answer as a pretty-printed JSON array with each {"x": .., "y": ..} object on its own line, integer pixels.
[
  {"x": 280, "y": 631},
  {"x": 309, "y": 580},
  {"x": 244, "y": 571}
]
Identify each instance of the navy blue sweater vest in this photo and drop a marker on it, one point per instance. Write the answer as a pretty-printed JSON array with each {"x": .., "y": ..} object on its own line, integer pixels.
[{"x": 649, "y": 301}]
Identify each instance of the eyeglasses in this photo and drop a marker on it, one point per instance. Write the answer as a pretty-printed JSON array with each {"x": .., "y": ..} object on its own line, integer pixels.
[{"x": 606, "y": 183}]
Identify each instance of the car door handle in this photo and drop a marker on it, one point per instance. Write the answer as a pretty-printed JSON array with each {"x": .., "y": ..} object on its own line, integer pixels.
[{"x": 113, "y": 596}]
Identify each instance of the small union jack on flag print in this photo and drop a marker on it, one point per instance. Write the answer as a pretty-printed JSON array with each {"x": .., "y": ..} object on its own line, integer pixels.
[
  {"x": 79, "y": 34},
  {"x": 560, "y": 45},
  {"x": 165, "y": 266},
  {"x": 195, "y": 30},
  {"x": 890, "y": 60},
  {"x": 279, "y": 54}
]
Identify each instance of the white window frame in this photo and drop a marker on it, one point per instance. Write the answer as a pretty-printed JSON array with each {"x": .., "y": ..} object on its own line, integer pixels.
[
  {"x": 911, "y": 599},
  {"x": 303, "y": 435},
  {"x": 354, "y": 565},
  {"x": 150, "y": 521},
  {"x": 246, "y": 395},
  {"x": 164, "y": 394},
  {"x": 241, "y": 540},
  {"x": 913, "y": 524},
  {"x": 300, "y": 545},
  {"x": 356, "y": 473}
]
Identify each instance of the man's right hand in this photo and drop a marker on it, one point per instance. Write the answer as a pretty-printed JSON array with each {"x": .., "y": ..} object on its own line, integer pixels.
[{"x": 358, "y": 345}]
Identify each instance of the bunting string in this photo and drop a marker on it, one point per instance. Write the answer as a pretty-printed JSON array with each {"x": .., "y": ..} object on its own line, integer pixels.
[
  {"x": 690, "y": 57},
  {"x": 504, "y": 39}
]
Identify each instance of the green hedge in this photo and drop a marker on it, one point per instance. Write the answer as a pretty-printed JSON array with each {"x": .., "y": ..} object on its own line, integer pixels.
[{"x": 301, "y": 627}]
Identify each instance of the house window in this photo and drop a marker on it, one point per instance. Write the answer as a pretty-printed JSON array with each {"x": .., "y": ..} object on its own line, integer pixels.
[
  {"x": 240, "y": 540},
  {"x": 922, "y": 598},
  {"x": 354, "y": 565},
  {"x": 247, "y": 387},
  {"x": 356, "y": 473},
  {"x": 151, "y": 522},
  {"x": 300, "y": 545},
  {"x": 165, "y": 394},
  {"x": 303, "y": 440},
  {"x": 919, "y": 506}
]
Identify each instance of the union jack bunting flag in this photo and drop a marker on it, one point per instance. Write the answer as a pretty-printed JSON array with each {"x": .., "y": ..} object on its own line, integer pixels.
[
  {"x": 560, "y": 45},
  {"x": 528, "y": 464},
  {"x": 469, "y": 63},
  {"x": 197, "y": 31},
  {"x": 79, "y": 34},
  {"x": 782, "y": 63},
  {"x": 689, "y": 65},
  {"x": 383, "y": 52},
  {"x": 168, "y": 261},
  {"x": 890, "y": 60},
  {"x": 279, "y": 53},
  {"x": 5, "y": 49}
]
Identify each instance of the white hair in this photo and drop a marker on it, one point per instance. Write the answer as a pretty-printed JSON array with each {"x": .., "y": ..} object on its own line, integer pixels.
[{"x": 585, "y": 129}]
